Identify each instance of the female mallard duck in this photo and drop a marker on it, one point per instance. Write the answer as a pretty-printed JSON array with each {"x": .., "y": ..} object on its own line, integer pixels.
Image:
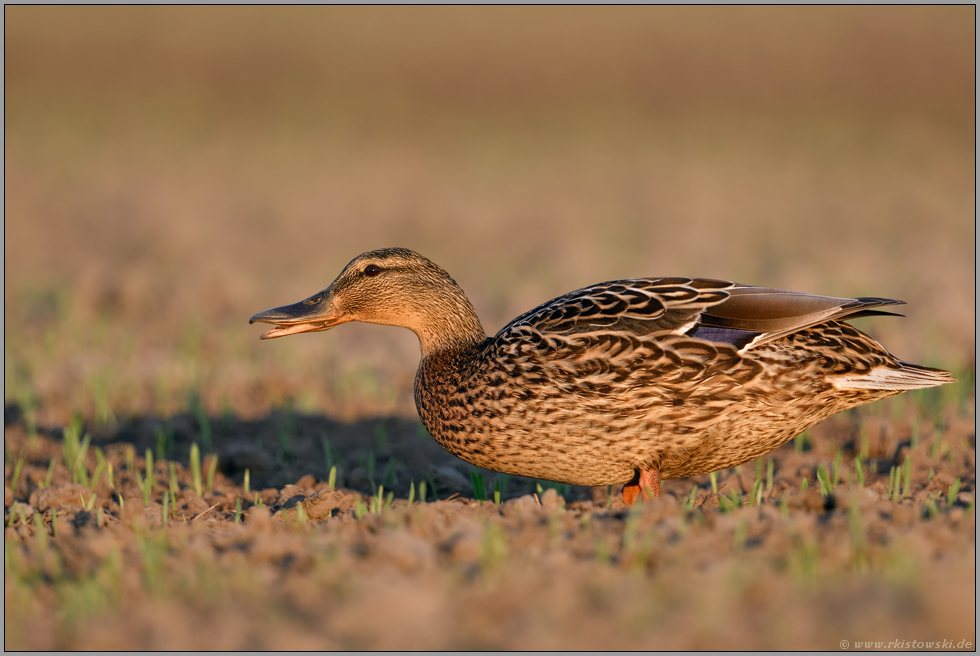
[{"x": 627, "y": 381}]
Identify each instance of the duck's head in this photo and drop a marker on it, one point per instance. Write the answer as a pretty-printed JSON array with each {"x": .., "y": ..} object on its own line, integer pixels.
[{"x": 391, "y": 286}]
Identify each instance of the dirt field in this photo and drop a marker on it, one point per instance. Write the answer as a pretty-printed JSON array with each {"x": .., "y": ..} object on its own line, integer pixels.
[{"x": 171, "y": 171}]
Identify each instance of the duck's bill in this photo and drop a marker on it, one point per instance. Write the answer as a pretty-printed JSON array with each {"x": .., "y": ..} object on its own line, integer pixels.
[{"x": 302, "y": 317}]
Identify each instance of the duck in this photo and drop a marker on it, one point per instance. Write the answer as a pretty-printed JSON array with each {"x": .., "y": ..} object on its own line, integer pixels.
[{"x": 626, "y": 382}]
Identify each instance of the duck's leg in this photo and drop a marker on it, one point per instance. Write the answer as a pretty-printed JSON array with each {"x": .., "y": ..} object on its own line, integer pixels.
[{"x": 644, "y": 482}]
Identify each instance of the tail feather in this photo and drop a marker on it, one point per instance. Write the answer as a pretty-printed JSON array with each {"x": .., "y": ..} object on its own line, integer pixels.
[{"x": 908, "y": 377}]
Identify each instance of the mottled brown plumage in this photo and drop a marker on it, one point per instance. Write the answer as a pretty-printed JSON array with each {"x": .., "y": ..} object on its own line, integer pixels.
[{"x": 624, "y": 382}]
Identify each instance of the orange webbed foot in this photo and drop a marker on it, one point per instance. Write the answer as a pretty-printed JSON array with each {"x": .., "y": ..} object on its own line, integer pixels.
[{"x": 645, "y": 482}]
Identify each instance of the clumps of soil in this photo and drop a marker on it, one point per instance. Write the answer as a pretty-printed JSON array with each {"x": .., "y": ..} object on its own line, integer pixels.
[{"x": 746, "y": 561}]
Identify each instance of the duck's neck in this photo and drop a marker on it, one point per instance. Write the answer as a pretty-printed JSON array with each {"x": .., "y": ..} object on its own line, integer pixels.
[{"x": 449, "y": 328}]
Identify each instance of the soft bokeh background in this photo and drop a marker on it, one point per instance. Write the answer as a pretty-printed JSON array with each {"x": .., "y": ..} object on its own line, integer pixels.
[{"x": 169, "y": 171}]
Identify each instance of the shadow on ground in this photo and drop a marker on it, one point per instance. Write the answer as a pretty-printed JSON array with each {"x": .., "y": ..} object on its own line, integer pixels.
[{"x": 283, "y": 447}]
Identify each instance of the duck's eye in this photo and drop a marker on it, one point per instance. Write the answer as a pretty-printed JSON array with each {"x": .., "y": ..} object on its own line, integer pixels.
[
  {"x": 372, "y": 270},
  {"x": 312, "y": 301}
]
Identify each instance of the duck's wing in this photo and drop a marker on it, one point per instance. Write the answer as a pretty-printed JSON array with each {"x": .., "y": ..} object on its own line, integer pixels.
[{"x": 714, "y": 310}]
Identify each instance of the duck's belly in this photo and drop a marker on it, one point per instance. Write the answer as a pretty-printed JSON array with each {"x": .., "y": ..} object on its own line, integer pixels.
[{"x": 587, "y": 442}]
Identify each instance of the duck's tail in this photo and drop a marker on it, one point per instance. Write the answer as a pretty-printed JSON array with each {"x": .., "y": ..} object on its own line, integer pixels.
[{"x": 906, "y": 377}]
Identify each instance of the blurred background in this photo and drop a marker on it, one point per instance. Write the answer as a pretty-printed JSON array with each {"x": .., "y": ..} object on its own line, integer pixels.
[{"x": 170, "y": 171}]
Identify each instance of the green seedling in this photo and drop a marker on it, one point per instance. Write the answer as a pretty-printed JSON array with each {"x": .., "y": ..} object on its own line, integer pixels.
[
  {"x": 50, "y": 474},
  {"x": 300, "y": 514},
  {"x": 864, "y": 444},
  {"x": 166, "y": 498},
  {"x": 897, "y": 491},
  {"x": 147, "y": 489},
  {"x": 359, "y": 509},
  {"x": 389, "y": 477},
  {"x": 496, "y": 492},
  {"x": 932, "y": 508},
  {"x": 109, "y": 475},
  {"x": 804, "y": 484},
  {"x": 257, "y": 501},
  {"x": 907, "y": 490},
  {"x": 539, "y": 489},
  {"x": 148, "y": 458},
  {"x": 714, "y": 482},
  {"x": 411, "y": 492},
  {"x": 859, "y": 469},
  {"x": 238, "y": 510},
  {"x": 479, "y": 490},
  {"x": 328, "y": 458},
  {"x": 422, "y": 492},
  {"x": 97, "y": 475},
  {"x": 196, "y": 468},
  {"x": 121, "y": 504},
  {"x": 692, "y": 499},
  {"x": 99, "y": 520},
  {"x": 954, "y": 489},
  {"x": 42, "y": 533},
  {"x": 139, "y": 480},
  {"x": 609, "y": 496},
  {"x": 88, "y": 505},
  {"x": 16, "y": 478},
  {"x": 770, "y": 471},
  {"x": 174, "y": 485},
  {"x": 332, "y": 477},
  {"x": 203, "y": 423},
  {"x": 54, "y": 522},
  {"x": 891, "y": 483},
  {"x": 836, "y": 468},
  {"x": 72, "y": 435},
  {"x": 823, "y": 479},
  {"x": 161, "y": 444},
  {"x": 784, "y": 508},
  {"x": 13, "y": 515},
  {"x": 247, "y": 482},
  {"x": 432, "y": 484},
  {"x": 212, "y": 468}
]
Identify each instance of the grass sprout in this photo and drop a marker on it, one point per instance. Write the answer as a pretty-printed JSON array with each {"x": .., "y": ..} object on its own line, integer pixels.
[
  {"x": 16, "y": 477},
  {"x": 212, "y": 468},
  {"x": 174, "y": 486},
  {"x": 196, "y": 468},
  {"x": 907, "y": 489},
  {"x": 823, "y": 479},
  {"x": 954, "y": 489},
  {"x": 50, "y": 473},
  {"x": 479, "y": 489}
]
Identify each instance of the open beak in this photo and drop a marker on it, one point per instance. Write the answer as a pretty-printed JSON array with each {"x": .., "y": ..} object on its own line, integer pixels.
[{"x": 313, "y": 314}]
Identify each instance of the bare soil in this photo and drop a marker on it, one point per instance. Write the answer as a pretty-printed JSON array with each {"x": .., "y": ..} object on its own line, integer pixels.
[{"x": 307, "y": 566}]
